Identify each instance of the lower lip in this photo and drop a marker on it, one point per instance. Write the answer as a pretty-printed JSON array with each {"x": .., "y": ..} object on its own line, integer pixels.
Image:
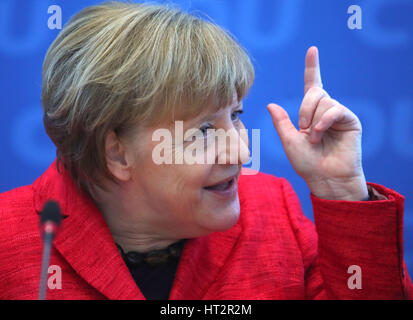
[{"x": 229, "y": 193}]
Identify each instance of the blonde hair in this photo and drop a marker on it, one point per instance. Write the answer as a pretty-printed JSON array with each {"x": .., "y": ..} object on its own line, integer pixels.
[{"x": 118, "y": 66}]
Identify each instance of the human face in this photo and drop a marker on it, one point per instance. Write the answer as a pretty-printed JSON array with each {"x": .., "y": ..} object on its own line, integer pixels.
[{"x": 190, "y": 200}]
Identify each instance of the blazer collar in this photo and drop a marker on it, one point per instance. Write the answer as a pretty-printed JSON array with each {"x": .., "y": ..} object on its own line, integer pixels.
[
  {"x": 84, "y": 239},
  {"x": 86, "y": 243}
]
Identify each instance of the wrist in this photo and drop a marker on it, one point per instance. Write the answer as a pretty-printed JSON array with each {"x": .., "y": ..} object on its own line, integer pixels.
[{"x": 348, "y": 189}]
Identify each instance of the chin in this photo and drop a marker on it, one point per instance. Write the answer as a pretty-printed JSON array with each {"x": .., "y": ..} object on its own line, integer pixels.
[
  {"x": 230, "y": 223},
  {"x": 223, "y": 218}
]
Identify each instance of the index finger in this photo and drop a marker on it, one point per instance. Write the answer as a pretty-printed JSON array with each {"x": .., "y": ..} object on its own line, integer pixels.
[{"x": 312, "y": 76}]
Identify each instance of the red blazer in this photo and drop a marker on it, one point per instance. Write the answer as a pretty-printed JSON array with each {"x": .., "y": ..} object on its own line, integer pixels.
[{"x": 273, "y": 252}]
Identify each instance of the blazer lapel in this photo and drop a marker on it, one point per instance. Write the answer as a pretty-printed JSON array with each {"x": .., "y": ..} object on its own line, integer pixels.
[
  {"x": 86, "y": 243},
  {"x": 201, "y": 261},
  {"x": 84, "y": 239}
]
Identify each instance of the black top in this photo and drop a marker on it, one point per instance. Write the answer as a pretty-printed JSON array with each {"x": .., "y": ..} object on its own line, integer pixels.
[{"x": 154, "y": 272}]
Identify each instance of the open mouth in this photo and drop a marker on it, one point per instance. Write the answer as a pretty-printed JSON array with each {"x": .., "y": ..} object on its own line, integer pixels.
[{"x": 222, "y": 186}]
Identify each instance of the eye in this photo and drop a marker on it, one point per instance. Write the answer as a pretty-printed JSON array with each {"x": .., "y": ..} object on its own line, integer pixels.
[
  {"x": 235, "y": 115},
  {"x": 204, "y": 129}
]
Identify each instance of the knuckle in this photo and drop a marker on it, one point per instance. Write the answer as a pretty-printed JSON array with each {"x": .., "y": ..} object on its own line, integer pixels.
[
  {"x": 339, "y": 107},
  {"x": 313, "y": 96},
  {"x": 318, "y": 127},
  {"x": 315, "y": 91},
  {"x": 326, "y": 101}
]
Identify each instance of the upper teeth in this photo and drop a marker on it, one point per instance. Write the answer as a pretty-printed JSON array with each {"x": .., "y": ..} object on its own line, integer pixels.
[{"x": 221, "y": 186}]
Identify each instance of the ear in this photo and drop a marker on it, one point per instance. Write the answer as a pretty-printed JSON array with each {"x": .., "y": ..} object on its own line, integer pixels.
[{"x": 119, "y": 161}]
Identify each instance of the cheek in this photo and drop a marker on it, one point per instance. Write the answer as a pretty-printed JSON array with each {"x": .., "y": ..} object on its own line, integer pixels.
[{"x": 187, "y": 181}]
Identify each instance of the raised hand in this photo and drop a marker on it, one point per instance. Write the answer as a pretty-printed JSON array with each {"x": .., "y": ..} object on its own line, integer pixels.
[{"x": 326, "y": 150}]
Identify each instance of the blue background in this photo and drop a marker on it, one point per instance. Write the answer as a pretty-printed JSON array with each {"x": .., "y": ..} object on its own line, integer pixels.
[{"x": 368, "y": 70}]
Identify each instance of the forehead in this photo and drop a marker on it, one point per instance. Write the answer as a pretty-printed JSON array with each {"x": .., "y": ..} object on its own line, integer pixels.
[{"x": 210, "y": 110}]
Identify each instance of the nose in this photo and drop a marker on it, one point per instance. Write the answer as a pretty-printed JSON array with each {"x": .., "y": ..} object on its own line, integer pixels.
[{"x": 232, "y": 146}]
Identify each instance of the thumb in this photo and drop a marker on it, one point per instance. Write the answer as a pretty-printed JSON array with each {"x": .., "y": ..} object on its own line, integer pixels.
[{"x": 282, "y": 122}]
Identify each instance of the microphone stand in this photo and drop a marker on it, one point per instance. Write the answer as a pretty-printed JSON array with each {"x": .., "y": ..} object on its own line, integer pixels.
[
  {"x": 49, "y": 223},
  {"x": 47, "y": 240}
]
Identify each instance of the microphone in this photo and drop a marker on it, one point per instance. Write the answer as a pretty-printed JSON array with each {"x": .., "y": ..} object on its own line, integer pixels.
[{"x": 50, "y": 219}]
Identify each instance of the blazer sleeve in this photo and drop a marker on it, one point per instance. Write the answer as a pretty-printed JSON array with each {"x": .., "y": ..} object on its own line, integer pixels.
[{"x": 355, "y": 249}]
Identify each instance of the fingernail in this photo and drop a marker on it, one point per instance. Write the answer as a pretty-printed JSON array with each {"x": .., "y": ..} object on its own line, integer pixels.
[{"x": 303, "y": 123}]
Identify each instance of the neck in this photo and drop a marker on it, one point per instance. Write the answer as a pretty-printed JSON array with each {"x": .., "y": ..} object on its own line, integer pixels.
[
  {"x": 132, "y": 231},
  {"x": 142, "y": 243}
]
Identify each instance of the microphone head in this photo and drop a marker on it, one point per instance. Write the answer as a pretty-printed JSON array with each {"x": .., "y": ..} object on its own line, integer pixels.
[{"x": 51, "y": 213}]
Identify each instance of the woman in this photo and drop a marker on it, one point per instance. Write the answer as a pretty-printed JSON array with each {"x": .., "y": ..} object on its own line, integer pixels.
[{"x": 138, "y": 228}]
